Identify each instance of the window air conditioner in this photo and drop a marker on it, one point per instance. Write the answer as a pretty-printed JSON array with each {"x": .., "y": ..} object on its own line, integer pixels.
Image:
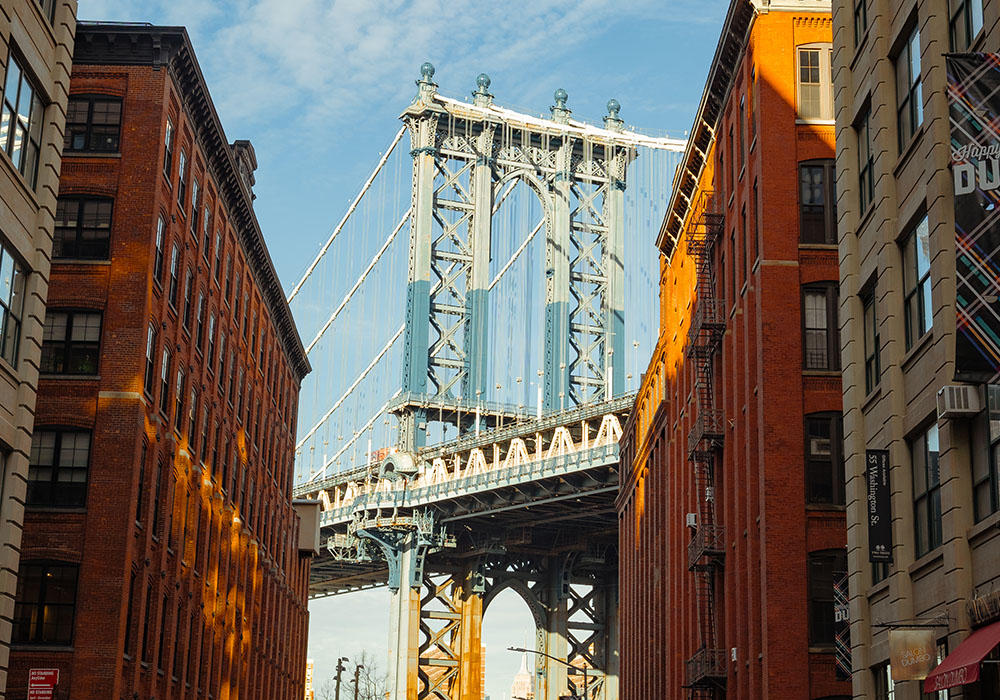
[
  {"x": 958, "y": 401},
  {"x": 692, "y": 520}
]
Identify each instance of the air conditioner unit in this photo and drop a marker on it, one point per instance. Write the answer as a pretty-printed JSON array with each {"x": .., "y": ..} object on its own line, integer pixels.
[
  {"x": 958, "y": 401},
  {"x": 692, "y": 520}
]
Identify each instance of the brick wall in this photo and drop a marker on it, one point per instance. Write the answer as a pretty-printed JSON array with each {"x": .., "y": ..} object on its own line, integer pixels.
[{"x": 201, "y": 536}]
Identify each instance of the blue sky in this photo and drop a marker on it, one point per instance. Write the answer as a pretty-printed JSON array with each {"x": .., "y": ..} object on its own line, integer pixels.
[{"x": 317, "y": 86}]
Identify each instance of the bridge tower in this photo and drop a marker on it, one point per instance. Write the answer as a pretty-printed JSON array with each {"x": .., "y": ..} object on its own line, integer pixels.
[{"x": 463, "y": 155}]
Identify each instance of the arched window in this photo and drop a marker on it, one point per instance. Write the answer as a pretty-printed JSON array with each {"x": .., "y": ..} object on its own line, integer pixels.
[
  {"x": 93, "y": 123},
  {"x": 82, "y": 228}
]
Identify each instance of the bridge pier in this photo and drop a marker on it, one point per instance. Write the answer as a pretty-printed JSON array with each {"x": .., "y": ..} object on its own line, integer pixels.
[{"x": 552, "y": 680}]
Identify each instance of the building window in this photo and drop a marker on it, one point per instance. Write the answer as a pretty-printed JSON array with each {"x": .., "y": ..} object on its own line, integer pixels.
[
  {"x": 45, "y": 603},
  {"x": 815, "y": 88},
  {"x": 129, "y": 616},
  {"x": 188, "y": 278},
  {"x": 163, "y": 628},
  {"x": 926, "y": 490},
  {"x": 70, "y": 342},
  {"x": 181, "y": 175},
  {"x": 917, "y": 283},
  {"x": 222, "y": 359},
  {"x": 48, "y": 9},
  {"x": 742, "y": 131},
  {"x": 211, "y": 343},
  {"x": 93, "y": 123},
  {"x": 860, "y": 20},
  {"x": 150, "y": 359},
  {"x": 873, "y": 370},
  {"x": 192, "y": 416},
  {"x": 82, "y": 228},
  {"x": 158, "y": 251},
  {"x": 218, "y": 255},
  {"x": 909, "y": 102},
  {"x": 866, "y": 161},
  {"x": 966, "y": 21},
  {"x": 821, "y": 331},
  {"x": 175, "y": 257},
  {"x": 21, "y": 116},
  {"x": 165, "y": 382},
  {"x": 824, "y": 567},
  {"x": 200, "y": 335},
  {"x": 179, "y": 400},
  {"x": 882, "y": 676},
  {"x": 168, "y": 148},
  {"x": 142, "y": 484},
  {"x": 229, "y": 277},
  {"x": 194, "y": 208},
  {"x": 825, "y": 458},
  {"x": 57, "y": 471},
  {"x": 11, "y": 304},
  {"x": 818, "y": 202},
  {"x": 206, "y": 227}
]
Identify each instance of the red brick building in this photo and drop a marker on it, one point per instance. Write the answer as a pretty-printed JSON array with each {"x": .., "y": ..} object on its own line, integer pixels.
[
  {"x": 732, "y": 504},
  {"x": 161, "y": 553}
]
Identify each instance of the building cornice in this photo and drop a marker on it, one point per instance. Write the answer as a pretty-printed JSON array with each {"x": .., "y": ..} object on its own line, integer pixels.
[
  {"x": 104, "y": 43},
  {"x": 721, "y": 78}
]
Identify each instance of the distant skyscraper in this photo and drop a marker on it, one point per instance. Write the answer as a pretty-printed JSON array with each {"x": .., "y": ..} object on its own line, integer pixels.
[
  {"x": 310, "y": 695},
  {"x": 522, "y": 687}
]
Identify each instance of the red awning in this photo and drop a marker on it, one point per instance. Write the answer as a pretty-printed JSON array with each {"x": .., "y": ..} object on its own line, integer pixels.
[{"x": 962, "y": 665}]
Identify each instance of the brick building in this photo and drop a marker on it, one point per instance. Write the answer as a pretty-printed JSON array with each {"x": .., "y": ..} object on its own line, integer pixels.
[
  {"x": 161, "y": 554},
  {"x": 901, "y": 275},
  {"x": 732, "y": 501},
  {"x": 36, "y": 47}
]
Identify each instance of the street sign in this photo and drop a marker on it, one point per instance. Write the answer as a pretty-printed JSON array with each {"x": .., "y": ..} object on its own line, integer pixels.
[{"x": 42, "y": 683}]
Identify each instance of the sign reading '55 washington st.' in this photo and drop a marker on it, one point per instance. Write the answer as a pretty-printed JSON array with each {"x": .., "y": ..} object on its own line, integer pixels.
[
  {"x": 974, "y": 98},
  {"x": 879, "y": 502}
]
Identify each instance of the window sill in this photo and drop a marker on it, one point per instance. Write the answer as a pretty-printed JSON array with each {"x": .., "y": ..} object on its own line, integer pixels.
[
  {"x": 935, "y": 556},
  {"x": 982, "y": 528},
  {"x": 79, "y": 261},
  {"x": 743, "y": 170},
  {"x": 866, "y": 216},
  {"x": 908, "y": 151},
  {"x": 914, "y": 353},
  {"x": 826, "y": 508},
  {"x": 91, "y": 154},
  {"x": 871, "y": 398},
  {"x": 833, "y": 247},
  {"x": 859, "y": 48},
  {"x": 47, "y": 648},
  {"x": 799, "y": 121},
  {"x": 67, "y": 377},
  {"x": 821, "y": 373},
  {"x": 65, "y": 510}
]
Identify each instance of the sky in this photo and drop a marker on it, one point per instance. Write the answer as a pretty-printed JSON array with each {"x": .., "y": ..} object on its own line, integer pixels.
[{"x": 317, "y": 86}]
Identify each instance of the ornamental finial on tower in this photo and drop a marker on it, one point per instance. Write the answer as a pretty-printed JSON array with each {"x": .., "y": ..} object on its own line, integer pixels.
[
  {"x": 481, "y": 97},
  {"x": 612, "y": 122},
  {"x": 560, "y": 112},
  {"x": 426, "y": 85}
]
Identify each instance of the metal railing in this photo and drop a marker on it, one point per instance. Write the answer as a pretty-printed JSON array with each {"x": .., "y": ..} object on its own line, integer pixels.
[
  {"x": 708, "y": 541},
  {"x": 706, "y": 665}
]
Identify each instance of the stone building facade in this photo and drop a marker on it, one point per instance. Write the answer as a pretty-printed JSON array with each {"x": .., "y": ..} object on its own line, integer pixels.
[
  {"x": 896, "y": 214},
  {"x": 36, "y": 47}
]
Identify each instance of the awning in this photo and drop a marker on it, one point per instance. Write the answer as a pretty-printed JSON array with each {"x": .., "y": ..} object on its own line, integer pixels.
[{"x": 962, "y": 665}]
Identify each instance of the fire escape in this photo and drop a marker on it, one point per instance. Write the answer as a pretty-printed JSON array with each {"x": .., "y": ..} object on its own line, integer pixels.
[{"x": 706, "y": 669}]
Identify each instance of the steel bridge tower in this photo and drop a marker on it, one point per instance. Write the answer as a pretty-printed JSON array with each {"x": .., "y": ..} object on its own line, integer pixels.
[{"x": 464, "y": 155}]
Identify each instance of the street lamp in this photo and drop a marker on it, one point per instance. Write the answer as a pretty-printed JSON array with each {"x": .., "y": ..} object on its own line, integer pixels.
[
  {"x": 340, "y": 669},
  {"x": 567, "y": 664}
]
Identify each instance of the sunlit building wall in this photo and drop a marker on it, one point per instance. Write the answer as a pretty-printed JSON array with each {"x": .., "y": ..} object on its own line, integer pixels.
[{"x": 161, "y": 555}]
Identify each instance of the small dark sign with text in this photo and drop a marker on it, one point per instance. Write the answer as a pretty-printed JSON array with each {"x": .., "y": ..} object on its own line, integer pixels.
[{"x": 879, "y": 506}]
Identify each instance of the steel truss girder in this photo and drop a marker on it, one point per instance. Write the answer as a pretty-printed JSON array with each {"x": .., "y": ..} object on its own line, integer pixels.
[{"x": 459, "y": 163}]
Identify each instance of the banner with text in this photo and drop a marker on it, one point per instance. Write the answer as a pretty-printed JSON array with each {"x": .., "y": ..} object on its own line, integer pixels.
[
  {"x": 879, "y": 506},
  {"x": 842, "y": 626},
  {"x": 912, "y": 653},
  {"x": 974, "y": 99}
]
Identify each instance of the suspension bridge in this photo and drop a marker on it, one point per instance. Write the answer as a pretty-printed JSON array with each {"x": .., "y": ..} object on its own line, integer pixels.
[{"x": 476, "y": 338}]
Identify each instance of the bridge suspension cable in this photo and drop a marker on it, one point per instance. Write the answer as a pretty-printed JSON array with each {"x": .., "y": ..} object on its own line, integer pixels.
[
  {"x": 346, "y": 394},
  {"x": 350, "y": 210},
  {"x": 357, "y": 434}
]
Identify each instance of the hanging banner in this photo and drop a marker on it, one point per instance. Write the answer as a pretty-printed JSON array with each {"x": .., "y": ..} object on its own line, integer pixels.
[
  {"x": 842, "y": 626},
  {"x": 879, "y": 506},
  {"x": 974, "y": 99},
  {"x": 912, "y": 653}
]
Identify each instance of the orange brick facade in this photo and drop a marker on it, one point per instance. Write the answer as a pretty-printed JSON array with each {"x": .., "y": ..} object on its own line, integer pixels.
[
  {"x": 743, "y": 163},
  {"x": 190, "y": 582}
]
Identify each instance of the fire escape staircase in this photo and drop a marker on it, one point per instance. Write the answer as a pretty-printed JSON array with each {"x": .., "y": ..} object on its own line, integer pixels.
[{"x": 707, "y": 668}]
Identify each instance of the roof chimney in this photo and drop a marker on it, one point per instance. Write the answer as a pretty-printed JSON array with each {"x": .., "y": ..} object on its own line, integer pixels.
[{"x": 246, "y": 163}]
